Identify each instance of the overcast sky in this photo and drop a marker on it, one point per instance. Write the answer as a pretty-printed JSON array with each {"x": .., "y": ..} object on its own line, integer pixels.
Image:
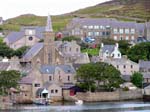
[{"x": 12, "y": 8}]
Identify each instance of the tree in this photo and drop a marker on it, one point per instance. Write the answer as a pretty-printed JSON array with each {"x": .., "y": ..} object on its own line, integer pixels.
[
  {"x": 139, "y": 52},
  {"x": 137, "y": 79},
  {"x": 5, "y": 51},
  {"x": 19, "y": 52},
  {"x": 9, "y": 79},
  {"x": 124, "y": 46},
  {"x": 70, "y": 38},
  {"x": 97, "y": 73}
]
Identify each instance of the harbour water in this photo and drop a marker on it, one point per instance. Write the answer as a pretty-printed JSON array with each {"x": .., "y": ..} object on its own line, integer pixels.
[{"x": 125, "y": 106}]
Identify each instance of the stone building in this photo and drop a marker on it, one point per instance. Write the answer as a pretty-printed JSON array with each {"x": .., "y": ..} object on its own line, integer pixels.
[
  {"x": 125, "y": 66},
  {"x": 27, "y": 36},
  {"x": 106, "y": 28},
  {"x": 144, "y": 68}
]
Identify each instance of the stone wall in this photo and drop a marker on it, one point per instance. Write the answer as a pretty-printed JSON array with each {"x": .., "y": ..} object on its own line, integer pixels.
[{"x": 106, "y": 96}]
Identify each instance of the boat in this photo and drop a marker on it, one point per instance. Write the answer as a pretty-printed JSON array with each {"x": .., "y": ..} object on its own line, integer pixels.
[
  {"x": 79, "y": 102},
  {"x": 41, "y": 102}
]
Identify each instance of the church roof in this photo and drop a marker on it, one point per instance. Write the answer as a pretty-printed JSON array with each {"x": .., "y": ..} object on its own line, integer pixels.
[
  {"x": 50, "y": 69},
  {"x": 33, "y": 51},
  {"x": 14, "y": 36}
]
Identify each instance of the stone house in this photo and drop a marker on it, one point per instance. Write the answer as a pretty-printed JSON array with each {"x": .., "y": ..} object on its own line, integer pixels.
[
  {"x": 125, "y": 66},
  {"x": 144, "y": 68},
  {"x": 27, "y": 36},
  {"x": 109, "y": 51},
  {"x": 106, "y": 28}
]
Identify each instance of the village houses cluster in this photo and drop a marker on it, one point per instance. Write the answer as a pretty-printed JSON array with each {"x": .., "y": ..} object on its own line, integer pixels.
[{"x": 50, "y": 66}]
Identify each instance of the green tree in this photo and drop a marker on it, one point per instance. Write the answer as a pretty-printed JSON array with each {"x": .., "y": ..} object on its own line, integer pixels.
[
  {"x": 139, "y": 52},
  {"x": 19, "y": 52},
  {"x": 124, "y": 46},
  {"x": 8, "y": 79},
  {"x": 97, "y": 73},
  {"x": 137, "y": 79},
  {"x": 5, "y": 50}
]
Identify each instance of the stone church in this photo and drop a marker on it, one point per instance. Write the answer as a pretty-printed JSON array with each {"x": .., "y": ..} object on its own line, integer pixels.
[{"x": 49, "y": 52}]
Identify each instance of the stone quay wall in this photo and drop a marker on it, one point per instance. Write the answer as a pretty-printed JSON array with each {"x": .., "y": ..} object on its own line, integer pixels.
[{"x": 107, "y": 96}]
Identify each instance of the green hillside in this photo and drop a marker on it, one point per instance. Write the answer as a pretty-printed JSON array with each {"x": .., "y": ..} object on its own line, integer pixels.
[{"x": 127, "y": 10}]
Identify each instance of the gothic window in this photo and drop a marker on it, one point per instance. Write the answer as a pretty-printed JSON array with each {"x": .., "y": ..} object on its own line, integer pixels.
[
  {"x": 68, "y": 78},
  {"x": 56, "y": 91},
  {"x": 50, "y": 78}
]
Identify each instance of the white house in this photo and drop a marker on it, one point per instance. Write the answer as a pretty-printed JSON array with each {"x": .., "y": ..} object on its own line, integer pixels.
[{"x": 110, "y": 51}]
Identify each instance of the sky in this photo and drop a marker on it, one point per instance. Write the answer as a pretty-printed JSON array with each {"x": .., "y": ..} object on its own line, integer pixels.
[{"x": 13, "y": 8}]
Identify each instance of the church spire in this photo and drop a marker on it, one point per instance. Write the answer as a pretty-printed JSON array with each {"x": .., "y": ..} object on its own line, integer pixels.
[{"x": 48, "y": 27}]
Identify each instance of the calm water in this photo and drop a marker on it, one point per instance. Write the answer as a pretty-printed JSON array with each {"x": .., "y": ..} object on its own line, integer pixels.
[{"x": 136, "y": 106}]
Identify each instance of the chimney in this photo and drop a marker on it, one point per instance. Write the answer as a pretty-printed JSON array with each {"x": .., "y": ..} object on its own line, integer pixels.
[{"x": 117, "y": 45}]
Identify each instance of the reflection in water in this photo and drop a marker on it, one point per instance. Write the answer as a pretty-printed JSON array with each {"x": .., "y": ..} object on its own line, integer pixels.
[{"x": 87, "y": 107}]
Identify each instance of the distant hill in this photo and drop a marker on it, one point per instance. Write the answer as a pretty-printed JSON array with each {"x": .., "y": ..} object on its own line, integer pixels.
[{"x": 127, "y": 10}]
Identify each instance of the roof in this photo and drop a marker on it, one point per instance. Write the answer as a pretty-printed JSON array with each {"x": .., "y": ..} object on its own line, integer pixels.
[
  {"x": 109, "y": 48},
  {"x": 14, "y": 36},
  {"x": 26, "y": 80},
  {"x": 50, "y": 69},
  {"x": 47, "y": 84},
  {"x": 33, "y": 51},
  {"x": 144, "y": 64},
  {"x": 4, "y": 65},
  {"x": 107, "y": 22}
]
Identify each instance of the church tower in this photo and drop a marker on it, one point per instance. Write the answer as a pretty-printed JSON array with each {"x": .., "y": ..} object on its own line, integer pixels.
[{"x": 49, "y": 43}]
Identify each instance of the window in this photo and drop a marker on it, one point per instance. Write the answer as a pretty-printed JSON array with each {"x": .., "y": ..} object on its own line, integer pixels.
[
  {"x": 85, "y": 26},
  {"x": 30, "y": 38},
  {"x": 131, "y": 66},
  {"x": 113, "y": 55},
  {"x": 117, "y": 66},
  {"x": 96, "y": 27},
  {"x": 36, "y": 85},
  {"x": 90, "y": 33},
  {"x": 59, "y": 77},
  {"x": 30, "y": 32},
  {"x": 107, "y": 33},
  {"x": 118, "y": 55},
  {"x": 121, "y": 31},
  {"x": 103, "y": 33},
  {"x": 52, "y": 91},
  {"x": 132, "y": 37},
  {"x": 70, "y": 49},
  {"x": 132, "y": 31},
  {"x": 68, "y": 78},
  {"x": 127, "y": 31},
  {"x": 101, "y": 27},
  {"x": 124, "y": 66},
  {"x": 115, "y": 30},
  {"x": 90, "y": 27},
  {"x": 127, "y": 37},
  {"x": 56, "y": 91},
  {"x": 50, "y": 78},
  {"x": 96, "y": 33},
  {"x": 115, "y": 37},
  {"x": 77, "y": 49}
]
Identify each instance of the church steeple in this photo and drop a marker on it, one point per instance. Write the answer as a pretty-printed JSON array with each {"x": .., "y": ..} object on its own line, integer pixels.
[{"x": 48, "y": 27}]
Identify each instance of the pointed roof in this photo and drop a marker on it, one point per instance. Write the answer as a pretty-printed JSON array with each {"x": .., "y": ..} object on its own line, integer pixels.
[{"x": 49, "y": 24}]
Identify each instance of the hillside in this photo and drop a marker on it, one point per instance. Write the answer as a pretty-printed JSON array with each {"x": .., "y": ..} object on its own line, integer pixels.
[{"x": 127, "y": 10}]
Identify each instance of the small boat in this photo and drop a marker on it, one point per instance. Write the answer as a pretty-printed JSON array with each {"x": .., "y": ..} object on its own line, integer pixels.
[
  {"x": 79, "y": 102},
  {"x": 41, "y": 102}
]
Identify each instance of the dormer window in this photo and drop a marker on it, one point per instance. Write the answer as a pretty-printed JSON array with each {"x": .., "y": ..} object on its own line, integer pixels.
[{"x": 30, "y": 38}]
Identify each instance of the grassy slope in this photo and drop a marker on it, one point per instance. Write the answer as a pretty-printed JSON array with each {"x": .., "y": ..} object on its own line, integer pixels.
[{"x": 120, "y": 9}]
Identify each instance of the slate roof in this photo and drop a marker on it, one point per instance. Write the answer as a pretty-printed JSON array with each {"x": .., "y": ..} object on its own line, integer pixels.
[
  {"x": 107, "y": 22},
  {"x": 26, "y": 80},
  {"x": 144, "y": 64},
  {"x": 14, "y": 36},
  {"x": 4, "y": 65},
  {"x": 50, "y": 69},
  {"x": 33, "y": 51},
  {"x": 109, "y": 48}
]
